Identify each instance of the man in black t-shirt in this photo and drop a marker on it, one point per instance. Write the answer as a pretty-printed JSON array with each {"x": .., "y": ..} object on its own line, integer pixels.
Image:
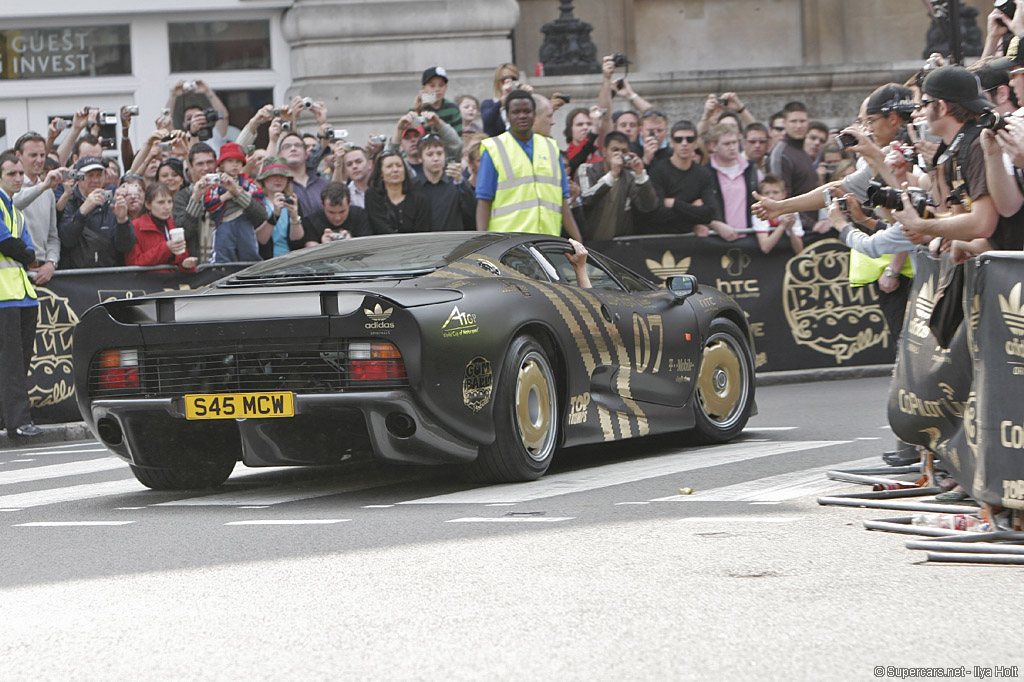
[
  {"x": 338, "y": 219},
  {"x": 686, "y": 190}
]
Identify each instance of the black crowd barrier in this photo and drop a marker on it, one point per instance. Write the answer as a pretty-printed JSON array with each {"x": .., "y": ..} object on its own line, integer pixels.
[
  {"x": 964, "y": 402},
  {"x": 802, "y": 310}
]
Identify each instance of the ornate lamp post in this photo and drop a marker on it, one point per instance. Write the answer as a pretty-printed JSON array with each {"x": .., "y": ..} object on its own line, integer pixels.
[{"x": 567, "y": 47}]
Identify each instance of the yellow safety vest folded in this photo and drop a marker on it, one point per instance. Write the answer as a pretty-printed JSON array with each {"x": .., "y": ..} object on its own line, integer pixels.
[{"x": 529, "y": 191}]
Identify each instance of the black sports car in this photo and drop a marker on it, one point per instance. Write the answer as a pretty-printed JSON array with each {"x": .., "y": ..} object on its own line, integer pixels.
[{"x": 473, "y": 348}]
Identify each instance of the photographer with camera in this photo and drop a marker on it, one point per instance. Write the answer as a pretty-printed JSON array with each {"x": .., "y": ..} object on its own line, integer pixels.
[
  {"x": 1004, "y": 21},
  {"x": 431, "y": 97},
  {"x": 95, "y": 231},
  {"x": 338, "y": 219},
  {"x": 189, "y": 212},
  {"x": 952, "y": 100},
  {"x": 716, "y": 105},
  {"x": 614, "y": 190},
  {"x": 196, "y": 109},
  {"x": 306, "y": 185},
  {"x": 451, "y": 199},
  {"x": 235, "y": 203}
]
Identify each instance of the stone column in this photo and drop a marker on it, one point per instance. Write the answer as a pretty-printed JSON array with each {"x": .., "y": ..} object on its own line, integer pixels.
[{"x": 365, "y": 58}]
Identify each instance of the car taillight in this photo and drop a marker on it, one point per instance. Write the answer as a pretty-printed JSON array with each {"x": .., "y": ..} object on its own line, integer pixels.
[
  {"x": 118, "y": 369},
  {"x": 375, "y": 361}
]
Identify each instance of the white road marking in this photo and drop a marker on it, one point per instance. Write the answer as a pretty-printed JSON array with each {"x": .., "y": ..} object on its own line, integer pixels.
[
  {"x": 61, "y": 452},
  {"x": 19, "y": 461},
  {"x": 62, "y": 524},
  {"x": 775, "y": 488},
  {"x": 619, "y": 504},
  {"x": 52, "y": 446},
  {"x": 89, "y": 466},
  {"x": 623, "y": 472},
  {"x": 377, "y": 506},
  {"x": 750, "y": 429},
  {"x": 128, "y": 508},
  {"x": 9, "y": 510},
  {"x": 255, "y": 506},
  {"x": 870, "y": 438},
  {"x": 511, "y": 519},
  {"x": 286, "y": 522},
  {"x": 502, "y": 504},
  {"x": 740, "y": 520},
  {"x": 72, "y": 493}
]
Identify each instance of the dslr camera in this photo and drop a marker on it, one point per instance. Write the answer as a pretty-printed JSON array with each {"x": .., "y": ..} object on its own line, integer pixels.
[
  {"x": 619, "y": 59},
  {"x": 211, "y": 116},
  {"x": 992, "y": 120},
  {"x": 881, "y": 196}
]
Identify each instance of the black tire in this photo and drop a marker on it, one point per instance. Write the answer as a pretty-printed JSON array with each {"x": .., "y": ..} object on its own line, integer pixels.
[
  {"x": 202, "y": 475},
  {"x": 526, "y": 418},
  {"x": 725, "y": 383}
]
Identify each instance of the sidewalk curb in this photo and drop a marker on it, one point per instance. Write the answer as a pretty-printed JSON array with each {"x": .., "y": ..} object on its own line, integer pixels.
[{"x": 72, "y": 431}]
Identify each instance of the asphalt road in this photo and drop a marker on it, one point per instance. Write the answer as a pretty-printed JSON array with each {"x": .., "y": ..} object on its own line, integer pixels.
[{"x": 600, "y": 571}]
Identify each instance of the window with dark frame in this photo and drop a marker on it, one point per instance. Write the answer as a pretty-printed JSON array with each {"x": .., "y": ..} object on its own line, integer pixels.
[{"x": 219, "y": 45}]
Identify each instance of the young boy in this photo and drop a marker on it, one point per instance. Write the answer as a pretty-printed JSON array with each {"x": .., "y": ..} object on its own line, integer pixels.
[
  {"x": 769, "y": 232},
  {"x": 235, "y": 203}
]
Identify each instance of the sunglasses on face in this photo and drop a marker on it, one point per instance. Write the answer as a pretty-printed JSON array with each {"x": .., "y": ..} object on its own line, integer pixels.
[
  {"x": 778, "y": 129},
  {"x": 689, "y": 139}
]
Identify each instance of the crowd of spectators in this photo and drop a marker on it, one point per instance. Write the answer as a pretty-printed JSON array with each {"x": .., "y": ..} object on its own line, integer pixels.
[{"x": 628, "y": 168}]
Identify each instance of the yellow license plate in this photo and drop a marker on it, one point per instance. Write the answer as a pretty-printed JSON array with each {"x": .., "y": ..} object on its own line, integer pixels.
[{"x": 240, "y": 405}]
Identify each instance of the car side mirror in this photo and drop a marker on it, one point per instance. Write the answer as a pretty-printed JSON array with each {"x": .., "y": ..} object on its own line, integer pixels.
[{"x": 681, "y": 286}]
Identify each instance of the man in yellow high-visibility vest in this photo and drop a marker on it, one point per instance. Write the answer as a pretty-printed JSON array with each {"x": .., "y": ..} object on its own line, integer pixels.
[
  {"x": 521, "y": 185},
  {"x": 18, "y": 304}
]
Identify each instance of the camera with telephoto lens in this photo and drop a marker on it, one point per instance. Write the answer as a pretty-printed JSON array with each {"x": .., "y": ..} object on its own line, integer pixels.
[
  {"x": 881, "y": 196},
  {"x": 211, "y": 116},
  {"x": 619, "y": 59},
  {"x": 992, "y": 120},
  {"x": 846, "y": 140}
]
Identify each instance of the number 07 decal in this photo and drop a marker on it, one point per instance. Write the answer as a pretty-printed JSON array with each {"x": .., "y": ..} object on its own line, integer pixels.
[{"x": 647, "y": 332}]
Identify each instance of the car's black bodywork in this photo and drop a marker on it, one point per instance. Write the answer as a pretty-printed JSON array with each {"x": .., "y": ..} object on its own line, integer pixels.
[{"x": 486, "y": 324}]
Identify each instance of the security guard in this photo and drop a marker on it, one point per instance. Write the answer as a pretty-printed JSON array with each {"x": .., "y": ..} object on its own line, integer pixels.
[
  {"x": 18, "y": 304},
  {"x": 522, "y": 185}
]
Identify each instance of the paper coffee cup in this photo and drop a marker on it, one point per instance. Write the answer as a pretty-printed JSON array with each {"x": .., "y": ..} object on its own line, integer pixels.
[{"x": 176, "y": 234}]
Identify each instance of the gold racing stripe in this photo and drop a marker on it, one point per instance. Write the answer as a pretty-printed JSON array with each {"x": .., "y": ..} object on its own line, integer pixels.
[
  {"x": 624, "y": 363},
  {"x": 583, "y": 345}
]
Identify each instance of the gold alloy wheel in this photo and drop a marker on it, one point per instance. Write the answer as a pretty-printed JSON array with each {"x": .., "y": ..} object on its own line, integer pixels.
[
  {"x": 723, "y": 382},
  {"x": 535, "y": 406}
]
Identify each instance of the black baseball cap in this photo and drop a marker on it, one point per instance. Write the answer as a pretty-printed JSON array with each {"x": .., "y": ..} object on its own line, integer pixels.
[
  {"x": 433, "y": 71},
  {"x": 90, "y": 163},
  {"x": 1014, "y": 59},
  {"x": 958, "y": 85},
  {"x": 889, "y": 98}
]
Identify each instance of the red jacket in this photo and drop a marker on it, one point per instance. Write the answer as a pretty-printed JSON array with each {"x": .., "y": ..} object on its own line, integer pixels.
[{"x": 151, "y": 244}]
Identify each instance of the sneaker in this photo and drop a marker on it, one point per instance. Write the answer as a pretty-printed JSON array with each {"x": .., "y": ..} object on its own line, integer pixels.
[{"x": 29, "y": 430}]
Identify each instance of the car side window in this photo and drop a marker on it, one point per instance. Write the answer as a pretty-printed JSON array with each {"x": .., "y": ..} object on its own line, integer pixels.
[
  {"x": 628, "y": 279},
  {"x": 599, "y": 277},
  {"x": 523, "y": 262}
]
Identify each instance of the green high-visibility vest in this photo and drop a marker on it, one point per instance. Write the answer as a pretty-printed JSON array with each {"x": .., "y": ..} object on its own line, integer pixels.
[
  {"x": 14, "y": 282},
  {"x": 865, "y": 269},
  {"x": 529, "y": 192}
]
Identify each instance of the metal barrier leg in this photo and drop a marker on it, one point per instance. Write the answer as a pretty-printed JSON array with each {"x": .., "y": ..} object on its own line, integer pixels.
[
  {"x": 948, "y": 557},
  {"x": 896, "y": 504},
  {"x": 905, "y": 526}
]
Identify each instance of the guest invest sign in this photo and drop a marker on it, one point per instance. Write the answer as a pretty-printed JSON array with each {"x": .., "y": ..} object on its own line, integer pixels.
[{"x": 64, "y": 52}]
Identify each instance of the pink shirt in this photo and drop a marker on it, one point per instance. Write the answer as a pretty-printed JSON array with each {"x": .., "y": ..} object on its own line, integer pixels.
[{"x": 734, "y": 191}]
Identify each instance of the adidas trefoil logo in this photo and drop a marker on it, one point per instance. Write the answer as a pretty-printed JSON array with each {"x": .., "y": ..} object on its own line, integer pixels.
[
  {"x": 1013, "y": 311},
  {"x": 378, "y": 314},
  {"x": 668, "y": 266}
]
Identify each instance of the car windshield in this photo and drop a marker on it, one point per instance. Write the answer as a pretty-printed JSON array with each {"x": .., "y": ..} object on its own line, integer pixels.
[{"x": 375, "y": 256}]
